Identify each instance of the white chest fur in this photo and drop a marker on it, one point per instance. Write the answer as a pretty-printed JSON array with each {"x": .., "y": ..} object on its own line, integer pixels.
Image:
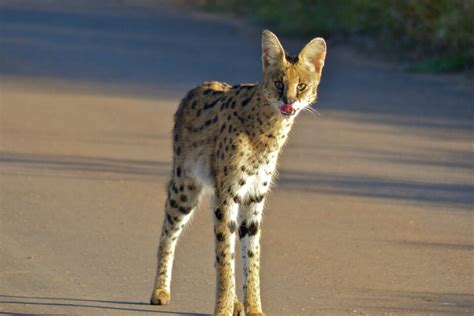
[{"x": 257, "y": 184}]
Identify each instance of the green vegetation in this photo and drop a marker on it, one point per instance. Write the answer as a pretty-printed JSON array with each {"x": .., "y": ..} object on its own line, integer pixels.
[
  {"x": 435, "y": 35},
  {"x": 443, "y": 64}
]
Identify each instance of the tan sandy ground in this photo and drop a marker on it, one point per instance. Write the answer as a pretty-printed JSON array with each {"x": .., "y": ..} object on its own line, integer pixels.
[{"x": 372, "y": 213}]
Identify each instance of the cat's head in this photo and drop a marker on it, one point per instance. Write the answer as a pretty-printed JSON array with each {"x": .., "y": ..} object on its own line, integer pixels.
[{"x": 291, "y": 82}]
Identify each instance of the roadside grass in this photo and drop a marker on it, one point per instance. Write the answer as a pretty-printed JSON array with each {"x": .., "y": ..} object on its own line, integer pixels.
[
  {"x": 434, "y": 36},
  {"x": 443, "y": 64}
]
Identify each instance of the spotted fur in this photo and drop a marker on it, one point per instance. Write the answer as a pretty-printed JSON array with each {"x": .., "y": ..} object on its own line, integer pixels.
[{"x": 228, "y": 138}]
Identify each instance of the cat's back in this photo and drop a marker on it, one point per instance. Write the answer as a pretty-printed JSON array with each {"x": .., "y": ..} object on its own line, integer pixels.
[
  {"x": 199, "y": 108},
  {"x": 197, "y": 118}
]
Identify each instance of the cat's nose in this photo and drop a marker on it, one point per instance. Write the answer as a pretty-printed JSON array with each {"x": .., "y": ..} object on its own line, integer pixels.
[{"x": 289, "y": 100}]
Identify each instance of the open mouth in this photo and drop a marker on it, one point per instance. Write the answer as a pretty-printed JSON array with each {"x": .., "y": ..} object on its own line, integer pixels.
[{"x": 287, "y": 110}]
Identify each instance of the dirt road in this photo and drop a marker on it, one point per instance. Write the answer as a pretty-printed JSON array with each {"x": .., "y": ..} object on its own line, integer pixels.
[{"x": 372, "y": 213}]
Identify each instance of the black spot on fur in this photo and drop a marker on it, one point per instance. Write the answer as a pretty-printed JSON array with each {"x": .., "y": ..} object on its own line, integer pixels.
[
  {"x": 246, "y": 101},
  {"x": 181, "y": 188},
  {"x": 198, "y": 114},
  {"x": 211, "y": 105},
  {"x": 183, "y": 198},
  {"x": 239, "y": 118},
  {"x": 253, "y": 229},
  {"x": 220, "y": 237},
  {"x": 207, "y": 91},
  {"x": 253, "y": 199},
  {"x": 250, "y": 254},
  {"x": 173, "y": 203},
  {"x": 227, "y": 103},
  {"x": 219, "y": 214},
  {"x": 175, "y": 189},
  {"x": 243, "y": 230},
  {"x": 178, "y": 150},
  {"x": 191, "y": 187},
  {"x": 242, "y": 182},
  {"x": 169, "y": 218},
  {"x": 178, "y": 172},
  {"x": 184, "y": 210}
]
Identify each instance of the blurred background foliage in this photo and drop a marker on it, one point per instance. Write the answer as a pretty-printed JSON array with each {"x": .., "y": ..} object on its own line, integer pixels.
[{"x": 430, "y": 35}]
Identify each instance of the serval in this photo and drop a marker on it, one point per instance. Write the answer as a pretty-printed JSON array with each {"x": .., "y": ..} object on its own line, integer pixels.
[{"x": 228, "y": 138}]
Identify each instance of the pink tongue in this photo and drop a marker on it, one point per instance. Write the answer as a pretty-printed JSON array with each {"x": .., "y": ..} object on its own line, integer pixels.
[{"x": 287, "y": 108}]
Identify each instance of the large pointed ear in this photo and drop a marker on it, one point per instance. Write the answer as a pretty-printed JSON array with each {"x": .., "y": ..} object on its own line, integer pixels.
[
  {"x": 314, "y": 53},
  {"x": 272, "y": 51}
]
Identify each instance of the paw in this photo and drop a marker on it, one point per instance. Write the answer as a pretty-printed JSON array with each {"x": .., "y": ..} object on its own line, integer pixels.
[
  {"x": 238, "y": 309},
  {"x": 160, "y": 297}
]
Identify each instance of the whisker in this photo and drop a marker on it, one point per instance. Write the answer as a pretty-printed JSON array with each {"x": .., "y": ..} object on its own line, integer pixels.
[{"x": 312, "y": 110}]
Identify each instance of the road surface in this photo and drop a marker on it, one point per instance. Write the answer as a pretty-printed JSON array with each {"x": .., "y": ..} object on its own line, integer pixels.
[{"x": 372, "y": 213}]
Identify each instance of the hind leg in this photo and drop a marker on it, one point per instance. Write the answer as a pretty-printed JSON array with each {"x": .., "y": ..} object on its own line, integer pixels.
[{"x": 183, "y": 196}]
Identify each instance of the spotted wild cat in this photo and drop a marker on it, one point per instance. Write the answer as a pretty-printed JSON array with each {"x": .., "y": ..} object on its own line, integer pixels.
[{"x": 228, "y": 138}]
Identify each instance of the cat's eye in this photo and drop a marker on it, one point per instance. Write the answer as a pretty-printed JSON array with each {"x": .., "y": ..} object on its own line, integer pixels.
[
  {"x": 279, "y": 84},
  {"x": 301, "y": 86}
]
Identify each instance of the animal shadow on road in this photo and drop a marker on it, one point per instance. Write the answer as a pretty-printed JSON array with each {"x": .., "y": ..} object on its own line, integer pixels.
[
  {"x": 453, "y": 194},
  {"x": 88, "y": 167},
  {"x": 75, "y": 303},
  {"x": 378, "y": 187}
]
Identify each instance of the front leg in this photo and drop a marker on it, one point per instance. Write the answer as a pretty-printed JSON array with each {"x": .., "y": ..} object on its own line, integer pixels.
[
  {"x": 250, "y": 217},
  {"x": 225, "y": 227}
]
